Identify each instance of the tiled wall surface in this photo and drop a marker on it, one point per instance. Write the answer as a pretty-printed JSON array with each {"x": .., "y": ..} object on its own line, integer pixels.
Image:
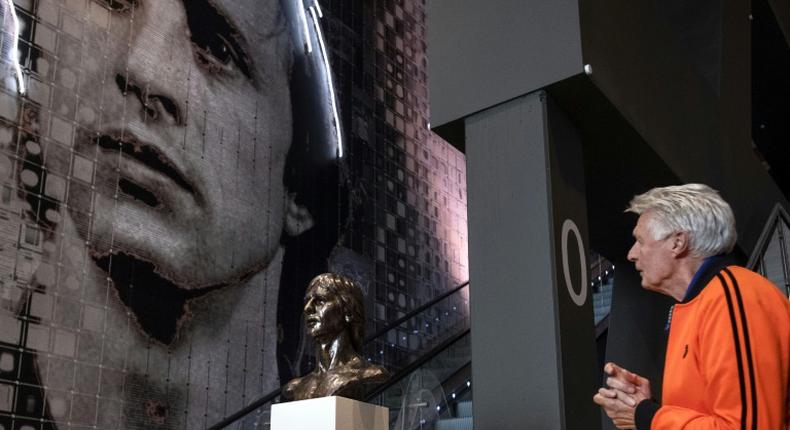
[
  {"x": 412, "y": 224},
  {"x": 141, "y": 209}
]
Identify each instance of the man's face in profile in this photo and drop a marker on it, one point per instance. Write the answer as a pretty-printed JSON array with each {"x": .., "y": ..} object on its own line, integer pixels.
[
  {"x": 323, "y": 313},
  {"x": 183, "y": 122},
  {"x": 652, "y": 258}
]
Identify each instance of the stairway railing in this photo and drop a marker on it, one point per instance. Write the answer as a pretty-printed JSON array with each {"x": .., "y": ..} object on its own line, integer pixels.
[{"x": 397, "y": 377}]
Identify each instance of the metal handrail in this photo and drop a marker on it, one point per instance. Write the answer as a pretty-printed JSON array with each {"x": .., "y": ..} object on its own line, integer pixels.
[
  {"x": 414, "y": 312},
  {"x": 267, "y": 398}
]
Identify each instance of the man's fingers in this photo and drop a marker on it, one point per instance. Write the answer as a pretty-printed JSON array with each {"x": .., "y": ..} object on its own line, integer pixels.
[
  {"x": 615, "y": 371},
  {"x": 604, "y": 399},
  {"x": 621, "y": 385},
  {"x": 607, "y": 392},
  {"x": 642, "y": 381},
  {"x": 634, "y": 378},
  {"x": 626, "y": 398},
  {"x": 616, "y": 400},
  {"x": 611, "y": 369},
  {"x": 625, "y": 380},
  {"x": 610, "y": 398},
  {"x": 600, "y": 399},
  {"x": 618, "y": 395}
]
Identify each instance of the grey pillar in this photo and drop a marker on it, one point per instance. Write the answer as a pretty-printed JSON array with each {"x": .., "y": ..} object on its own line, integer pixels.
[{"x": 533, "y": 356}]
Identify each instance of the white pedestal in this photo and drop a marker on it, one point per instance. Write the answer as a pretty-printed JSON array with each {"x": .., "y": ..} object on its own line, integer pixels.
[{"x": 329, "y": 413}]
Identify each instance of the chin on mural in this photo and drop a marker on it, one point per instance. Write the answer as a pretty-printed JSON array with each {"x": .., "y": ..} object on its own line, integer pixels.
[
  {"x": 174, "y": 173},
  {"x": 171, "y": 171}
]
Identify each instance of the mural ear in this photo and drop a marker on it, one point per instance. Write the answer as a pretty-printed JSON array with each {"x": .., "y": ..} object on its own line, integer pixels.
[{"x": 297, "y": 218}]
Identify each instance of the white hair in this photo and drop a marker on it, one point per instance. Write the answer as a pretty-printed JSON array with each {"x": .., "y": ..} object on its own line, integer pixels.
[{"x": 696, "y": 209}]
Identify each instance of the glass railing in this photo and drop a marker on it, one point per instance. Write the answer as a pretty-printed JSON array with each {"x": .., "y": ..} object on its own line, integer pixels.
[
  {"x": 427, "y": 391},
  {"x": 402, "y": 346}
]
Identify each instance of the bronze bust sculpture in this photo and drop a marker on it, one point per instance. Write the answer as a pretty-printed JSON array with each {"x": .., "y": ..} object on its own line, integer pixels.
[{"x": 334, "y": 317}]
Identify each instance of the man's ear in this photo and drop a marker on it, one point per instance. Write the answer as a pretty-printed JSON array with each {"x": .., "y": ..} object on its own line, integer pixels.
[
  {"x": 297, "y": 218},
  {"x": 680, "y": 243}
]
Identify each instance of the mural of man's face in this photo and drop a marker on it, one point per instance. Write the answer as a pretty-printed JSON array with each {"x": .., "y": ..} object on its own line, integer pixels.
[
  {"x": 183, "y": 107},
  {"x": 164, "y": 135}
]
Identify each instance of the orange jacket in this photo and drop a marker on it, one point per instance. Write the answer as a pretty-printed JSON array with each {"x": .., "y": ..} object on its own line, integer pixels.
[{"x": 727, "y": 359}]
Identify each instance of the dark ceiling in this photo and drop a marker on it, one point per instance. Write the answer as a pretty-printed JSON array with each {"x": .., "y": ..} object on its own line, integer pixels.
[
  {"x": 771, "y": 93},
  {"x": 614, "y": 150}
]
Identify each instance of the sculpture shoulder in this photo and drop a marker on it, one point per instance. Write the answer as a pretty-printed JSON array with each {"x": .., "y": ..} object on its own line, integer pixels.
[
  {"x": 367, "y": 376},
  {"x": 374, "y": 374},
  {"x": 287, "y": 390},
  {"x": 351, "y": 380},
  {"x": 369, "y": 373},
  {"x": 355, "y": 382},
  {"x": 297, "y": 388}
]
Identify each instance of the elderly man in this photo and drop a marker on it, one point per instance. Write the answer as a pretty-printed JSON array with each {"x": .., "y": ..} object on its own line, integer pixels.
[{"x": 728, "y": 353}]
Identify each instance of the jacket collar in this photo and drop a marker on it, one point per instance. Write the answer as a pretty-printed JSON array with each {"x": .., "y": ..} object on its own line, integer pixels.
[{"x": 710, "y": 267}]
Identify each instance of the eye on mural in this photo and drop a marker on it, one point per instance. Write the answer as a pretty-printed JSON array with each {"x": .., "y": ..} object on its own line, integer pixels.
[{"x": 172, "y": 175}]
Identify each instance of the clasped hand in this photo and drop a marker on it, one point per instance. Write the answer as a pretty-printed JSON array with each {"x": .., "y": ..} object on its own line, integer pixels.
[{"x": 623, "y": 391}]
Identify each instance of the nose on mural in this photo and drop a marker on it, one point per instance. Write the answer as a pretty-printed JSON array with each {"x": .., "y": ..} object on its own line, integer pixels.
[{"x": 146, "y": 148}]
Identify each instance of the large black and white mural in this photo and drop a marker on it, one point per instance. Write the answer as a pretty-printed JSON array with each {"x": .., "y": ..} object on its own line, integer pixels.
[{"x": 173, "y": 174}]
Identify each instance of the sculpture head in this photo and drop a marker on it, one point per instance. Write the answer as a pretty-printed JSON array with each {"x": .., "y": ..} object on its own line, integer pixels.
[
  {"x": 334, "y": 317},
  {"x": 332, "y": 305}
]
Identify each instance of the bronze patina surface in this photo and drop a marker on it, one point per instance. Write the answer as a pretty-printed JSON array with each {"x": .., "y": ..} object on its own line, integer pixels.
[{"x": 334, "y": 317}]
